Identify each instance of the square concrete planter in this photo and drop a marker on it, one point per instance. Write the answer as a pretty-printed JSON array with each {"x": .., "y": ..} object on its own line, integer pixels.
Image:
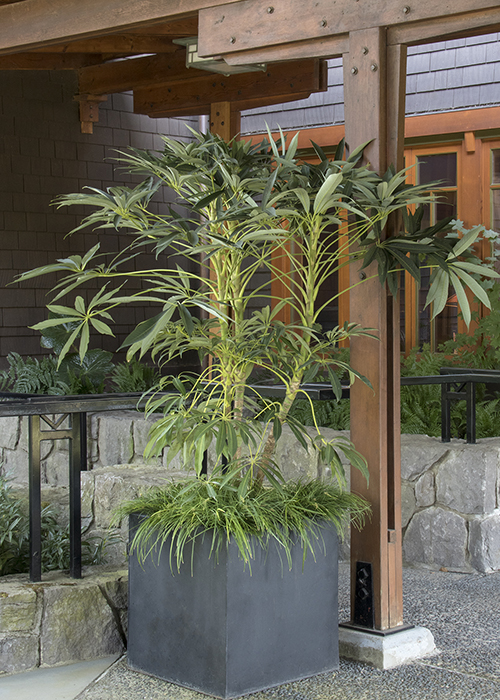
[{"x": 217, "y": 629}]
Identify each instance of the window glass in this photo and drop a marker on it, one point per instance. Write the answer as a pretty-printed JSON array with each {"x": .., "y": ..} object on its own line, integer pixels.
[
  {"x": 441, "y": 167},
  {"x": 495, "y": 210},
  {"x": 495, "y": 166}
]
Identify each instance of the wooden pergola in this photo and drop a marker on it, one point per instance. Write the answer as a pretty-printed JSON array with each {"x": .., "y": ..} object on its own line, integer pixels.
[{"x": 293, "y": 37}]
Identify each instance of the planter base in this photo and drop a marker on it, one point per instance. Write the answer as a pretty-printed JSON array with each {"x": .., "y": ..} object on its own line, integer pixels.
[{"x": 217, "y": 629}]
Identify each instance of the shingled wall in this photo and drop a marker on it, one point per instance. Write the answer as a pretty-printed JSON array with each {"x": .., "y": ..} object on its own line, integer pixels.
[{"x": 44, "y": 154}]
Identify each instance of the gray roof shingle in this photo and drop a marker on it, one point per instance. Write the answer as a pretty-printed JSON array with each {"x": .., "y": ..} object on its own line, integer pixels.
[{"x": 451, "y": 75}]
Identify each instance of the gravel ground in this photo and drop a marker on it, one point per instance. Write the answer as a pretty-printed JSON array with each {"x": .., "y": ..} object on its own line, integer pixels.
[{"x": 461, "y": 610}]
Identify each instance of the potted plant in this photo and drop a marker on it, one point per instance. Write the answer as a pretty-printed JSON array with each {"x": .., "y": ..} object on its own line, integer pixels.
[{"x": 236, "y": 552}]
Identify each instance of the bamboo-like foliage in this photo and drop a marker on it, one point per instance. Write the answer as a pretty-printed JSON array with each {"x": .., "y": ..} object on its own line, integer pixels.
[{"x": 250, "y": 207}]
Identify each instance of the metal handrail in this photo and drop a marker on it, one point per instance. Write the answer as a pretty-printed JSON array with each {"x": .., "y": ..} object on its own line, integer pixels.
[{"x": 456, "y": 384}]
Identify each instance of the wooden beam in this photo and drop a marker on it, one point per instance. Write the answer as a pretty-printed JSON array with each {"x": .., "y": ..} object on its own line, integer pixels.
[
  {"x": 118, "y": 43},
  {"x": 252, "y": 24},
  {"x": 37, "y": 23},
  {"x": 125, "y": 75},
  {"x": 456, "y": 122},
  {"x": 178, "y": 27},
  {"x": 291, "y": 78},
  {"x": 326, "y": 47},
  {"x": 481, "y": 21},
  {"x": 374, "y": 87},
  {"x": 48, "y": 61},
  {"x": 239, "y": 106}
]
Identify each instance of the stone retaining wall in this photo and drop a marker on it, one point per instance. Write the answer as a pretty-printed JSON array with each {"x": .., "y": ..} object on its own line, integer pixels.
[
  {"x": 450, "y": 492},
  {"x": 61, "y": 620}
]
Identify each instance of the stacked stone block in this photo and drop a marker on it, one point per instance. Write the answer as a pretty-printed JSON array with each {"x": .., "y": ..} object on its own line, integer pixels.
[{"x": 60, "y": 621}]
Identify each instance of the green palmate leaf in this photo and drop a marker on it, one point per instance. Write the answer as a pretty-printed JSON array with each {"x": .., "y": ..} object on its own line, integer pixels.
[
  {"x": 51, "y": 322},
  {"x": 438, "y": 292},
  {"x": 479, "y": 269},
  {"x": 304, "y": 199},
  {"x": 322, "y": 201},
  {"x": 473, "y": 285},
  {"x": 463, "y": 302},
  {"x": 67, "y": 346},
  {"x": 208, "y": 199},
  {"x": 466, "y": 241},
  {"x": 187, "y": 319},
  {"x": 221, "y": 440},
  {"x": 84, "y": 341},
  {"x": 80, "y": 305},
  {"x": 101, "y": 327}
]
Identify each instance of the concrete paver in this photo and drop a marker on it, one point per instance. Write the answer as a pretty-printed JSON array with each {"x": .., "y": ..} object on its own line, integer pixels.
[{"x": 60, "y": 683}]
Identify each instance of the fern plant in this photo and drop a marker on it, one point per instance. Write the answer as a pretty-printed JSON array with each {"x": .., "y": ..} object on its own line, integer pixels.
[
  {"x": 33, "y": 376},
  {"x": 14, "y": 537},
  {"x": 134, "y": 376}
]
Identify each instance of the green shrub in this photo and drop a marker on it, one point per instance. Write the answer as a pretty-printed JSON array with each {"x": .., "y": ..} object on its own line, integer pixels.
[
  {"x": 14, "y": 537},
  {"x": 134, "y": 376}
]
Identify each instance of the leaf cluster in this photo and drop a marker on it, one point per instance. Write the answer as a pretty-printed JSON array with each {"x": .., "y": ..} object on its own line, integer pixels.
[
  {"x": 218, "y": 507},
  {"x": 14, "y": 537},
  {"x": 241, "y": 208}
]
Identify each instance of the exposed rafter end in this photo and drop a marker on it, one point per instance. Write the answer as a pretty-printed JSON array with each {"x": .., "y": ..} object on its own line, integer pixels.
[{"x": 89, "y": 111}]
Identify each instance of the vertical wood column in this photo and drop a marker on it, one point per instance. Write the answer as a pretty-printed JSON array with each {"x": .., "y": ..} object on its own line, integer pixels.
[
  {"x": 224, "y": 121},
  {"x": 374, "y": 89}
]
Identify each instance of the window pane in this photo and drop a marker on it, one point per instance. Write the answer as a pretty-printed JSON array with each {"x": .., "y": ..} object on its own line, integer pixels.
[
  {"x": 495, "y": 210},
  {"x": 447, "y": 321},
  {"x": 329, "y": 315},
  {"x": 442, "y": 166},
  {"x": 495, "y": 166},
  {"x": 445, "y": 325},
  {"x": 446, "y": 205}
]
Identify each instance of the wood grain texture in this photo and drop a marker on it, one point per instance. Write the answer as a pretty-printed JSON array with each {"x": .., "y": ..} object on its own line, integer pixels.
[
  {"x": 48, "y": 61},
  {"x": 248, "y": 24},
  {"x": 135, "y": 72},
  {"x": 468, "y": 24},
  {"x": 326, "y": 47},
  {"x": 36, "y": 23},
  {"x": 294, "y": 78},
  {"x": 374, "y": 108},
  {"x": 118, "y": 43}
]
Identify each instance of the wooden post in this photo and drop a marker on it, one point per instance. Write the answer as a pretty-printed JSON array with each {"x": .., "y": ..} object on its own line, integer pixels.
[
  {"x": 224, "y": 121},
  {"x": 374, "y": 77}
]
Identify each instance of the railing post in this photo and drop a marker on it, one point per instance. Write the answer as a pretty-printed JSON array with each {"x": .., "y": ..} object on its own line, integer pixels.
[
  {"x": 471, "y": 411},
  {"x": 75, "y": 504},
  {"x": 445, "y": 413},
  {"x": 35, "y": 500}
]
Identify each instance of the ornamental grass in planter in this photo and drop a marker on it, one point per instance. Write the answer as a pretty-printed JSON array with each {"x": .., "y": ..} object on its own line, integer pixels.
[{"x": 237, "y": 552}]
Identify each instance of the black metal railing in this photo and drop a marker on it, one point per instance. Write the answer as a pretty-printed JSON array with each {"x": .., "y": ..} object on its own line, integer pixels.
[{"x": 71, "y": 424}]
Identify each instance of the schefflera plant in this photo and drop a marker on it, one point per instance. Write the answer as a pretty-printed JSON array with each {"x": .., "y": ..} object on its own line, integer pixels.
[{"x": 249, "y": 207}]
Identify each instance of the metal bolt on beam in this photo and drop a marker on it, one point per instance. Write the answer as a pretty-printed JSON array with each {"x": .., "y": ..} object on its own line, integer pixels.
[
  {"x": 270, "y": 10},
  {"x": 354, "y": 70},
  {"x": 406, "y": 9},
  {"x": 373, "y": 67}
]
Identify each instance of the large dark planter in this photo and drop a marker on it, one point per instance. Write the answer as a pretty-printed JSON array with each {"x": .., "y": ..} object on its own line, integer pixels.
[{"x": 215, "y": 628}]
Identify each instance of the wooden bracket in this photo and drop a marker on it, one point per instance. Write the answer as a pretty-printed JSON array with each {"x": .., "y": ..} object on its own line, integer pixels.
[
  {"x": 470, "y": 141},
  {"x": 89, "y": 111}
]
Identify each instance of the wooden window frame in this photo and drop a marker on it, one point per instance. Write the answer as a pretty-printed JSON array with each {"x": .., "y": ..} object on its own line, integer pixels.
[{"x": 411, "y": 288}]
